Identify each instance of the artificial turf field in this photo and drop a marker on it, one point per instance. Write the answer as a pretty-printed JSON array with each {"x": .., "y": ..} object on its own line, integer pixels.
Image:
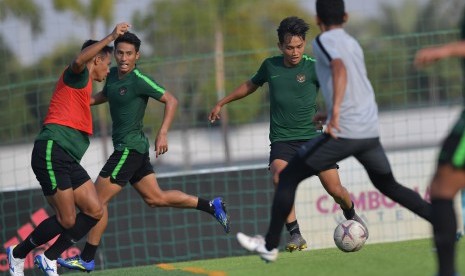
[{"x": 409, "y": 258}]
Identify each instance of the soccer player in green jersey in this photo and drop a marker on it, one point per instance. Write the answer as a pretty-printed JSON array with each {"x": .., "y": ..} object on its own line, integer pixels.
[
  {"x": 449, "y": 177},
  {"x": 293, "y": 88},
  {"x": 127, "y": 91}
]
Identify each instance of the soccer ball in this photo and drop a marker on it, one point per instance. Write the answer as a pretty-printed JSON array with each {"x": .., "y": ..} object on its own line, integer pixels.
[{"x": 350, "y": 236}]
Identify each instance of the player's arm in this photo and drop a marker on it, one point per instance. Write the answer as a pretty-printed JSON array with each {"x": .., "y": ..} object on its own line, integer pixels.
[
  {"x": 98, "y": 98},
  {"x": 430, "y": 55},
  {"x": 339, "y": 74},
  {"x": 240, "y": 92},
  {"x": 161, "y": 141},
  {"x": 88, "y": 53}
]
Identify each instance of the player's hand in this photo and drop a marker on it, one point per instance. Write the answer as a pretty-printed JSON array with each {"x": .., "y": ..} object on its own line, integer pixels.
[
  {"x": 120, "y": 29},
  {"x": 161, "y": 145},
  {"x": 427, "y": 56},
  {"x": 333, "y": 126},
  {"x": 319, "y": 120},
  {"x": 214, "y": 114}
]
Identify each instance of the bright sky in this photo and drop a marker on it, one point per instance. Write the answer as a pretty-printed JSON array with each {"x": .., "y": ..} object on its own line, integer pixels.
[
  {"x": 58, "y": 27},
  {"x": 63, "y": 26}
]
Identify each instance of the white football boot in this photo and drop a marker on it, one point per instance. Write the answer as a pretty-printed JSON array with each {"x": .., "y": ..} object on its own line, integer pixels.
[
  {"x": 16, "y": 264},
  {"x": 257, "y": 244},
  {"x": 48, "y": 267}
]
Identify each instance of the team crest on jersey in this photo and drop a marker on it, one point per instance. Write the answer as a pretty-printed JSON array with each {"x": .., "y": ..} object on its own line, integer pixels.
[
  {"x": 300, "y": 78},
  {"x": 123, "y": 90}
]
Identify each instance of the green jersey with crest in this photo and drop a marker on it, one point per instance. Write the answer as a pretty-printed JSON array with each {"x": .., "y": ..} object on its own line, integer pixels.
[
  {"x": 293, "y": 92},
  {"x": 128, "y": 99}
]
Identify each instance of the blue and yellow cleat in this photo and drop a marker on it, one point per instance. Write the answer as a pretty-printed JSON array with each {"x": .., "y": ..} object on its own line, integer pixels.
[
  {"x": 76, "y": 263},
  {"x": 220, "y": 213}
]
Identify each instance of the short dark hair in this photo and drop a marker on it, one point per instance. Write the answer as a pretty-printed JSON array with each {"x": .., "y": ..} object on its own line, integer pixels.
[
  {"x": 294, "y": 26},
  {"x": 105, "y": 50},
  {"x": 130, "y": 38},
  {"x": 330, "y": 12}
]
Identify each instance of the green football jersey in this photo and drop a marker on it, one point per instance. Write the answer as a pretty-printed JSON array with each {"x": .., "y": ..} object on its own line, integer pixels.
[
  {"x": 293, "y": 92},
  {"x": 128, "y": 99}
]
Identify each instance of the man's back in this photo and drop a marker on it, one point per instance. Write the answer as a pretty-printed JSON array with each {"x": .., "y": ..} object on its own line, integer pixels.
[{"x": 358, "y": 111}]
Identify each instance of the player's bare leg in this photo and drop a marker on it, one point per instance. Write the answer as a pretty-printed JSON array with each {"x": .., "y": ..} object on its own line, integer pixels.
[
  {"x": 106, "y": 190},
  {"x": 296, "y": 242},
  {"x": 333, "y": 186},
  {"x": 86, "y": 199},
  {"x": 63, "y": 204},
  {"x": 154, "y": 196},
  {"x": 85, "y": 262},
  {"x": 151, "y": 193}
]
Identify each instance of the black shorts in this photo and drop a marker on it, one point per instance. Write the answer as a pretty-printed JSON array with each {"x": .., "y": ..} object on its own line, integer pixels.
[
  {"x": 323, "y": 151},
  {"x": 127, "y": 166},
  {"x": 285, "y": 150},
  {"x": 55, "y": 168},
  {"x": 453, "y": 148}
]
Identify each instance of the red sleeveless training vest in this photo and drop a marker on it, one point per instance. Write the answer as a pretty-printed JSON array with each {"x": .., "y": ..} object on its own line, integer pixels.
[{"x": 71, "y": 107}]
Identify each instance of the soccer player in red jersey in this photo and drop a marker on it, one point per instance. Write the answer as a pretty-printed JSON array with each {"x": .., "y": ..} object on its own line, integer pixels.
[{"x": 56, "y": 155}]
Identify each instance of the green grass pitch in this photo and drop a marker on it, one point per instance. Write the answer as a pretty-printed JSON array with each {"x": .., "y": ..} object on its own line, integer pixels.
[{"x": 415, "y": 257}]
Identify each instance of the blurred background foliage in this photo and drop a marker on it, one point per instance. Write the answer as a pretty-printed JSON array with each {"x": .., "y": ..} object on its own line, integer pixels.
[{"x": 184, "y": 40}]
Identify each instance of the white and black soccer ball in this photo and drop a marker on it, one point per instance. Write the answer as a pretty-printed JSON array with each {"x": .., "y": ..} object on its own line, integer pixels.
[{"x": 350, "y": 236}]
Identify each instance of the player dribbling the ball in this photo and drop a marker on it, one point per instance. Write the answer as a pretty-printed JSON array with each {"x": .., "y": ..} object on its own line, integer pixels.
[{"x": 352, "y": 129}]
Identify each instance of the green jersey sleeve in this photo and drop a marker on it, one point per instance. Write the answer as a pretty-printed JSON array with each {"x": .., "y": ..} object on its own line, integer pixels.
[
  {"x": 74, "y": 80},
  {"x": 148, "y": 86},
  {"x": 260, "y": 77}
]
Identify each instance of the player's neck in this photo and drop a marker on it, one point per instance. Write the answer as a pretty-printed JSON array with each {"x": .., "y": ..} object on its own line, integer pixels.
[
  {"x": 331, "y": 27},
  {"x": 122, "y": 74}
]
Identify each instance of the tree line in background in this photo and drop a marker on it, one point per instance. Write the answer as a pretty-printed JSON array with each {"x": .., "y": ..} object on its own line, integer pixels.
[{"x": 182, "y": 39}]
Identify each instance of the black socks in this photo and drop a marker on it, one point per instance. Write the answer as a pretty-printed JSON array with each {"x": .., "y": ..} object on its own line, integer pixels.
[
  {"x": 204, "y": 205},
  {"x": 293, "y": 227},
  {"x": 444, "y": 227},
  {"x": 69, "y": 237},
  {"x": 88, "y": 254},
  {"x": 349, "y": 214},
  {"x": 43, "y": 233}
]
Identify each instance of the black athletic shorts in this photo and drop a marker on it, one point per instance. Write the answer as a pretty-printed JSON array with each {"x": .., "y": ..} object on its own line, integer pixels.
[
  {"x": 127, "y": 166},
  {"x": 55, "y": 168},
  {"x": 453, "y": 147},
  {"x": 285, "y": 150}
]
